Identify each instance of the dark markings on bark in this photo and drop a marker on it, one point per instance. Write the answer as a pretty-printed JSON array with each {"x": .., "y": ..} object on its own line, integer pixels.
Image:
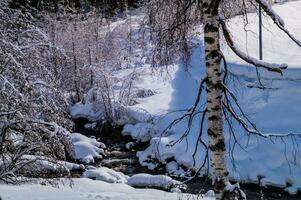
[
  {"x": 210, "y": 28},
  {"x": 217, "y": 61},
  {"x": 209, "y": 40},
  {"x": 219, "y": 146},
  {"x": 213, "y": 54},
  {"x": 219, "y": 97},
  {"x": 213, "y": 118},
  {"x": 211, "y": 133},
  {"x": 217, "y": 107}
]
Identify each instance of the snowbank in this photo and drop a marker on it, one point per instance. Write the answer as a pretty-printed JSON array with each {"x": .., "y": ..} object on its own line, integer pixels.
[
  {"x": 86, "y": 189},
  {"x": 87, "y": 149},
  {"x": 105, "y": 174}
]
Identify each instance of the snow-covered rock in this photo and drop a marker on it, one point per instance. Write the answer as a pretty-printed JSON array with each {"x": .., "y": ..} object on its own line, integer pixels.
[
  {"x": 234, "y": 191},
  {"x": 90, "y": 126},
  {"x": 158, "y": 181},
  {"x": 174, "y": 169},
  {"x": 87, "y": 149},
  {"x": 129, "y": 145},
  {"x": 105, "y": 174}
]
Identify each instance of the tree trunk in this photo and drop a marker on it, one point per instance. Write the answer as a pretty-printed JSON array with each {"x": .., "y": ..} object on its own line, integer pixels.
[{"x": 214, "y": 97}]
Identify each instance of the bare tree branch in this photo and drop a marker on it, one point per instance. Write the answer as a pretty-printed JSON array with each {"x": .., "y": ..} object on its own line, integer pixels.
[{"x": 257, "y": 63}]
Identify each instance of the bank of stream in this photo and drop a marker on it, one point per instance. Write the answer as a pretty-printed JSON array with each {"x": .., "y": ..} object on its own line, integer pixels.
[{"x": 123, "y": 159}]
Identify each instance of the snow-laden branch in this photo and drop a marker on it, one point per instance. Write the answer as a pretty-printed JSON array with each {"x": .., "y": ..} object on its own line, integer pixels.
[
  {"x": 35, "y": 45},
  {"x": 8, "y": 113},
  {"x": 253, "y": 61},
  {"x": 4, "y": 82},
  {"x": 35, "y": 30},
  {"x": 277, "y": 19}
]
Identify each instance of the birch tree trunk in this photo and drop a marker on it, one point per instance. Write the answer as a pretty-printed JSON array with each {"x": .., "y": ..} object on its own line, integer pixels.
[{"x": 214, "y": 97}]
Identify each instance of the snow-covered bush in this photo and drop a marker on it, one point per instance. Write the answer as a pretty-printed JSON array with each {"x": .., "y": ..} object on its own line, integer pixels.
[{"x": 32, "y": 106}]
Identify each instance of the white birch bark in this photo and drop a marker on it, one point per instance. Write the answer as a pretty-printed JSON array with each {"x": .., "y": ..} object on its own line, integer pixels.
[{"x": 214, "y": 97}]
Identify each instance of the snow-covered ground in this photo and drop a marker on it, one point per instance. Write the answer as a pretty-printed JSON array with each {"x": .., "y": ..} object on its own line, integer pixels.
[
  {"x": 83, "y": 188},
  {"x": 266, "y": 161}
]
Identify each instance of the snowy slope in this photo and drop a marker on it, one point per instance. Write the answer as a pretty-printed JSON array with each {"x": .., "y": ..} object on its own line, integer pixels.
[
  {"x": 277, "y": 47},
  {"x": 85, "y": 189},
  {"x": 266, "y": 161}
]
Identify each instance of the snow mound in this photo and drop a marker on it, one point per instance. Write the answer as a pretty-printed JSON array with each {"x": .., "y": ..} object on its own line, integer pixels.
[
  {"x": 105, "y": 174},
  {"x": 141, "y": 131},
  {"x": 139, "y": 114},
  {"x": 95, "y": 112},
  {"x": 158, "y": 181},
  {"x": 87, "y": 149},
  {"x": 91, "y": 111}
]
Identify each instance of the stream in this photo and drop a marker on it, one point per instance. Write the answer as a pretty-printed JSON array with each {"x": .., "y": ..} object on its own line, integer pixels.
[{"x": 119, "y": 158}]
